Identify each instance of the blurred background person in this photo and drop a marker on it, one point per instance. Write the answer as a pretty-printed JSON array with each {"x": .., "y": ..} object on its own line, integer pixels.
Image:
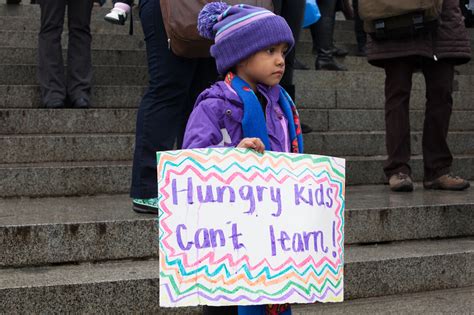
[
  {"x": 293, "y": 12},
  {"x": 322, "y": 33},
  {"x": 55, "y": 86},
  {"x": 435, "y": 52},
  {"x": 174, "y": 84}
]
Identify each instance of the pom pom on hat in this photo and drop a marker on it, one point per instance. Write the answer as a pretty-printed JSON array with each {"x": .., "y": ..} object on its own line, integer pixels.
[{"x": 208, "y": 18}]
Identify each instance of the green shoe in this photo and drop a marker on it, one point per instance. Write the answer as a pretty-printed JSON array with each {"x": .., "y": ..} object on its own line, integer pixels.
[{"x": 145, "y": 205}]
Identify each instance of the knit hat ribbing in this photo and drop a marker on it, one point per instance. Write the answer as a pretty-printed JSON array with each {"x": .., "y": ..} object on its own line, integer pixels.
[{"x": 240, "y": 31}]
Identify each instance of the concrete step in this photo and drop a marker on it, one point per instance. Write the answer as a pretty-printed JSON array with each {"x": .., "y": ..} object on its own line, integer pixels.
[
  {"x": 28, "y": 96},
  {"x": 340, "y": 36},
  {"x": 121, "y": 40},
  {"x": 39, "y": 148},
  {"x": 344, "y": 39},
  {"x": 29, "y": 39},
  {"x": 24, "y": 56},
  {"x": 308, "y": 80},
  {"x": 368, "y": 98},
  {"x": 65, "y": 179},
  {"x": 53, "y": 121},
  {"x": 351, "y": 47},
  {"x": 453, "y": 301},
  {"x": 66, "y": 148},
  {"x": 98, "y": 25},
  {"x": 368, "y": 170},
  {"x": 106, "y": 96},
  {"x": 384, "y": 269},
  {"x": 360, "y": 64},
  {"x": 44, "y": 231},
  {"x": 102, "y": 75},
  {"x": 27, "y": 10},
  {"x": 28, "y": 56},
  {"x": 373, "y": 143},
  {"x": 344, "y": 33},
  {"x": 113, "y": 287},
  {"x": 373, "y": 120},
  {"x": 112, "y": 177},
  {"x": 405, "y": 267},
  {"x": 304, "y": 80}
]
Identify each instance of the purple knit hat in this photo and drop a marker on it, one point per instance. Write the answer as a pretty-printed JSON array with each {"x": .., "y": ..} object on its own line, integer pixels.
[{"x": 239, "y": 31}]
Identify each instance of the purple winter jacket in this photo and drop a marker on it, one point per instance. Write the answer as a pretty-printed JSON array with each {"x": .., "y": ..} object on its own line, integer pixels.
[{"x": 216, "y": 120}]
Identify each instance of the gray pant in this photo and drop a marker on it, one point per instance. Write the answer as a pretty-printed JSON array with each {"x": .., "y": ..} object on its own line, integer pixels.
[{"x": 53, "y": 83}]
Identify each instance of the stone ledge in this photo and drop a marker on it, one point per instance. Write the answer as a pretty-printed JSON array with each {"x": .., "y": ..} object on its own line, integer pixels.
[
  {"x": 397, "y": 268},
  {"x": 38, "y": 231},
  {"x": 453, "y": 301}
]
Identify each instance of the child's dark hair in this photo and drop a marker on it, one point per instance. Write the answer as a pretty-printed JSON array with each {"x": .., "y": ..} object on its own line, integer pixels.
[{"x": 221, "y": 76}]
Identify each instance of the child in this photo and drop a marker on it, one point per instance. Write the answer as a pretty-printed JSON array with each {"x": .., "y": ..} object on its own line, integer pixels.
[
  {"x": 248, "y": 109},
  {"x": 119, "y": 13}
]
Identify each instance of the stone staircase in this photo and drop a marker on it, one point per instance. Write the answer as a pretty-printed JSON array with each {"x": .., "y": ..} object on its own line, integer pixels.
[{"x": 71, "y": 244}]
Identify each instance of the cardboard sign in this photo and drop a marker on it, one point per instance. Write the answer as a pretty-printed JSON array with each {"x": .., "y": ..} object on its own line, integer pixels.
[{"x": 241, "y": 228}]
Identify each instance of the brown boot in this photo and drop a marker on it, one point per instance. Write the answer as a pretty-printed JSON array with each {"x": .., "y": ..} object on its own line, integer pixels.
[
  {"x": 447, "y": 182},
  {"x": 400, "y": 182}
]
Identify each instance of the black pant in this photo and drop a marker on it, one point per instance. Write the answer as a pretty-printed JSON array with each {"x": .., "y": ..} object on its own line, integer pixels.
[
  {"x": 129, "y": 2},
  {"x": 53, "y": 83},
  {"x": 323, "y": 30},
  {"x": 174, "y": 84},
  {"x": 220, "y": 310},
  {"x": 439, "y": 75},
  {"x": 361, "y": 37},
  {"x": 293, "y": 12}
]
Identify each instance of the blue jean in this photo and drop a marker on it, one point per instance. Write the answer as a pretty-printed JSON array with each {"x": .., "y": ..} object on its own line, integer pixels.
[{"x": 174, "y": 84}]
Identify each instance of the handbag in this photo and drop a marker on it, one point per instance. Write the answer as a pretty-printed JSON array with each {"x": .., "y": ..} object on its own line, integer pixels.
[
  {"x": 311, "y": 13},
  {"x": 180, "y": 21},
  {"x": 389, "y": 19}
]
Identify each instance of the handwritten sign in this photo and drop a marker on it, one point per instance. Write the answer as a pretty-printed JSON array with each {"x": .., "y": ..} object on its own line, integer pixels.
[{"x": 241, "y": 228}]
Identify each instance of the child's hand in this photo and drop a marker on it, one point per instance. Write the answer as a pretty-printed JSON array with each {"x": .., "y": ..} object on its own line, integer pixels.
[{"x": 252, "y": 143}]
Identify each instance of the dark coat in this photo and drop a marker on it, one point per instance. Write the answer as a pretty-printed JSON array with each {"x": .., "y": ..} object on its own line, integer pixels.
[{"x": 449, "y": 41}]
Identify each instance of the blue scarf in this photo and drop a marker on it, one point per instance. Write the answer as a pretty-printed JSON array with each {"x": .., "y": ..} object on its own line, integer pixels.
[{"x": 253, "y": 121}]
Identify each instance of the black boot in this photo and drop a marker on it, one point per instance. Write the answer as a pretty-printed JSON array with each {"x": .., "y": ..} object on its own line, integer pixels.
[
  {"x": 324, "y": 30},
  {"x": 339, "y": 52},
  {"x": 325, "y": 61}
]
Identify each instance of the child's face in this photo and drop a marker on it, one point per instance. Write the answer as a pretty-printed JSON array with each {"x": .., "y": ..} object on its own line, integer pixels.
[{"x": 266, "y": 66}]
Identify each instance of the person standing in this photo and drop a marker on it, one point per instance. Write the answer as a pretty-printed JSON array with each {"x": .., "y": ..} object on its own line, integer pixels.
[
  {"x": 54, "y": 84},
  {"x": 435, "y": 53},
  {"x": 248, "y": 109},
  {"x": 293, "y": 13},
  {"x": 174, "y": 84},
  {"x": 322, "y": 33}
]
